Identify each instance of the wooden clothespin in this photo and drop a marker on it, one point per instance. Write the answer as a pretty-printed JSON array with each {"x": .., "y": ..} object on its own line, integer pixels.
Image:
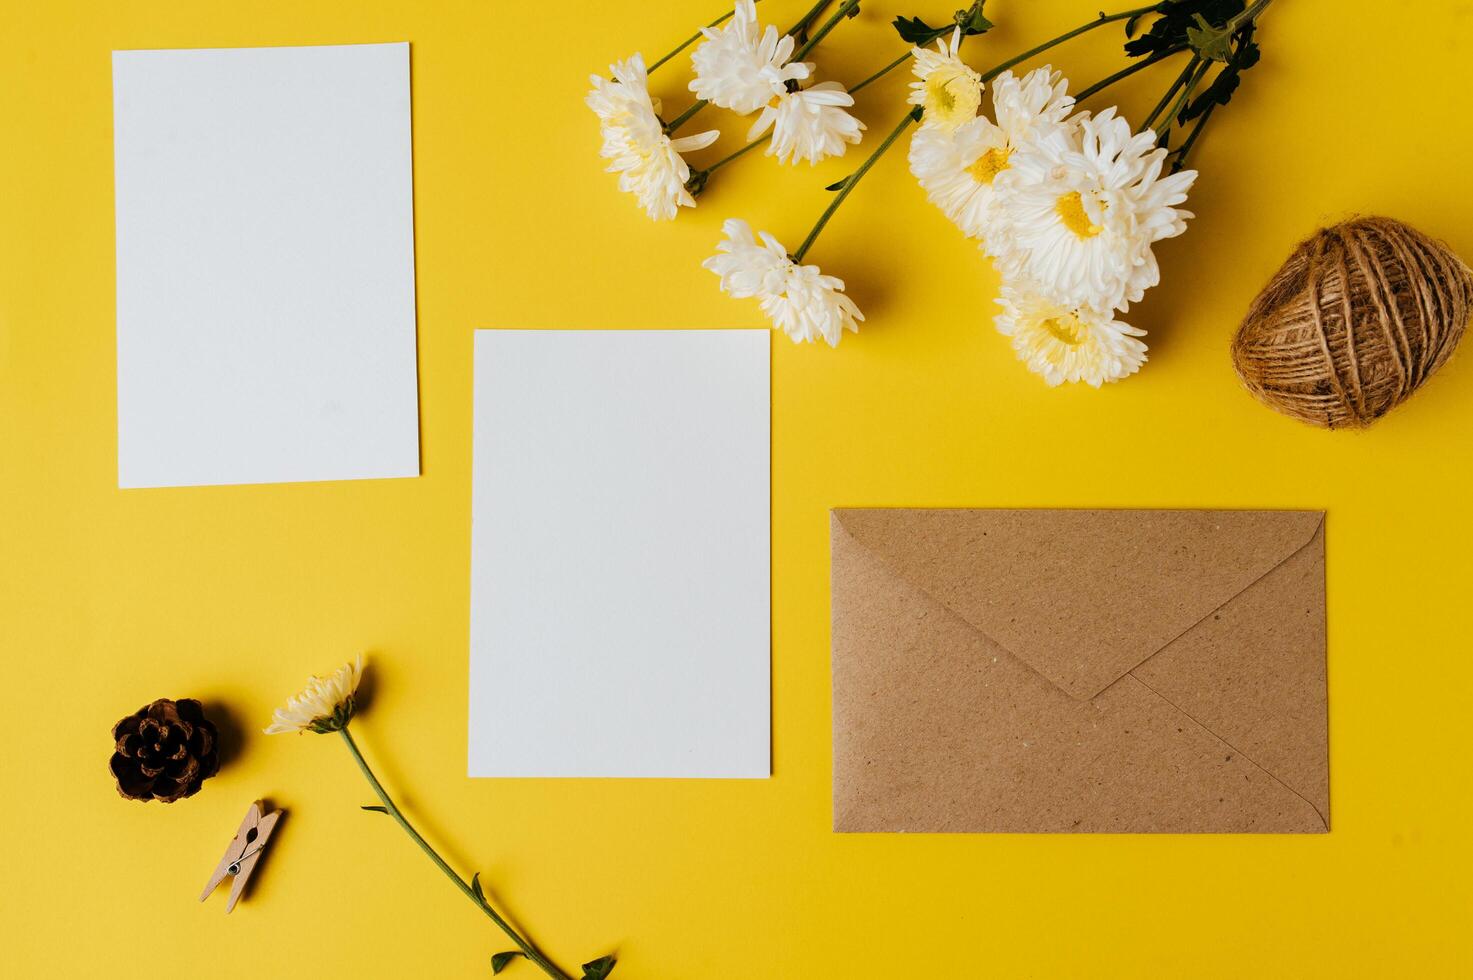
[{"x": 243, "y": 853}]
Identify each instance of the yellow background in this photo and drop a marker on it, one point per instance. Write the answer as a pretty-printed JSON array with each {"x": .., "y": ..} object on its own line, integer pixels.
[{"x": 109, "y": 598}]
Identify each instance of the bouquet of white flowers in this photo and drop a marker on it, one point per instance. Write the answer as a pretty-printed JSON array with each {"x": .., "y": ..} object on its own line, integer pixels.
[{"x": 1066, "y": 202}]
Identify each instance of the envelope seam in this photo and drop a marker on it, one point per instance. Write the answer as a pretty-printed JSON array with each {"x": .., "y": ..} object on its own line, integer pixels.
[
  {"x": 1237, "y": 753},
  {"x": 1215, "y": 609},
  {"x": 948, "y": 610}
]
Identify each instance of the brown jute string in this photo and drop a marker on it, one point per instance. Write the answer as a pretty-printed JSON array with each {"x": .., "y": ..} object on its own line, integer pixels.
[{"x": 1358, "y": 317}]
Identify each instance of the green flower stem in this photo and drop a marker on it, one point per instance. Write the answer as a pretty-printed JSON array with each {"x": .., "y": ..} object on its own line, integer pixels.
[
  {"x": 526, "y": 947},
  {"x": 1099, "y": 21},
  {"x": 805, "y": 20},
  {"x": 846, "y": 9},
  {"x": 684, "y": 117},
  {"x": 1180, "y": 105},
  {"x": 1182, "y": 151},
  {"x": 882, "y": 72},
  {"x": 802, "y": 25},
  {"x": 1181, "y": 79},
  {"x": 853, "y": 181},
  {"x": 734, "y": 154},
  {"x": 1130, "y": 69},
  {"x": 1250, "y": 14}
]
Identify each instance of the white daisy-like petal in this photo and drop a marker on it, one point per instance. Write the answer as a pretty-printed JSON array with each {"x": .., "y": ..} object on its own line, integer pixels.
[
  {"x": 810, "y": 124},
  {"x": 741, "y": 66},
  {"x": 748, "y": 267},
  {"x": 799, "y": 299},
  {"x": 959, "y": 168},
  {"x": 324, "y": 705},
  {"x": 1080, "y": 211},
  {"x": 1068, "y": 343},
  {"x": 956, "y": 168},
  {"x": 946, "y": 86},
  {"x": 1027, "y": 107},
  {"x": 648, "y": 162}
]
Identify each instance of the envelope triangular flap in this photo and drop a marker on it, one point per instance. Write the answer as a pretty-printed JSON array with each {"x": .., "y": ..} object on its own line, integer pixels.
[{"x": 1081, "y": 596}]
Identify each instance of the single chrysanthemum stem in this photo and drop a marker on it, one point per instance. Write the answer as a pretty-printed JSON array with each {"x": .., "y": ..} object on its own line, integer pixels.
[
  {"x": 734, "y": 154},
  {"x": 795, "y": 30},
  {"x": 684, "y": 117},
  {"x": 853, "y": 180},
  {"x": 884, "y": 71},
  {"x": 470, "y": 890}
]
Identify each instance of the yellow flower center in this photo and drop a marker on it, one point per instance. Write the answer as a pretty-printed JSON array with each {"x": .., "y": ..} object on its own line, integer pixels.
[
  {"x": 952, "y": 96},
  {"x": 1070, "y": 208},
  {"x": 1065, "y": 329},
  {"x": 990, "y": 164},
  {"x": 940, "y": 95}
]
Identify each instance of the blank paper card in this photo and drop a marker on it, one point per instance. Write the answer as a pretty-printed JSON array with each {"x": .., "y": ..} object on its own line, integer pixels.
[
  {"x": 619, "y": 554},
  {"x": 265, "y": 265}
]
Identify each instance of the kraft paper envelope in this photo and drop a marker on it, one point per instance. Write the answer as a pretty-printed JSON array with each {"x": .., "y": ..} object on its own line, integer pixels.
[{"x": 1079, "y": 671}]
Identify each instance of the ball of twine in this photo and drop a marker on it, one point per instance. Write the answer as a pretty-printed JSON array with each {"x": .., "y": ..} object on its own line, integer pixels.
[{"x": 1356, "y": 320}]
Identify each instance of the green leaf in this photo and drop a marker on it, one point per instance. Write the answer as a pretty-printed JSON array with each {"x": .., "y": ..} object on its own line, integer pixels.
[
  {"x": 972, "y": 22},
  {"x": 500, "y": 960},
  {"x": 598, "y": 969},
  {"x": 1243, "y": 56},
  {"x": 476, "y": 887},
  {"x": 838, "y": 185},
  {"x": 1210, "y": 41},
  {"x": 1173, "y": 18},
  {"x": 915, "y": 31},
  {"x": 376, "y": 809}
]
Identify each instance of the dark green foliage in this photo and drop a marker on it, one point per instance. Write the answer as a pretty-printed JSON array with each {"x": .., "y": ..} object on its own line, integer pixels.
[
  {"x": 598, "y": 969},
  {"x": 1174, "y": 19},
  {"x": 500, "y": 960},
  {"x": 913, "y": 30}
]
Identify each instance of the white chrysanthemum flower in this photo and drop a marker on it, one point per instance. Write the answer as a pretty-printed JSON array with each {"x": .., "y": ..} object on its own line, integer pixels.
[
  {"x": 810, "y": 124},
  {"x": 957, "y": 168},
  {"x": 648, "y": 162},
  {"x": 950, "y": 91},
  {"x": 799, "y": 299},
  {"x": 1026, "y": 108},
  {"x": 324, "y": 705},
  {"x": 1082, "y": 212},
  {"x": 740, "y": 69},
  {"x": 1068, "y": 343}
]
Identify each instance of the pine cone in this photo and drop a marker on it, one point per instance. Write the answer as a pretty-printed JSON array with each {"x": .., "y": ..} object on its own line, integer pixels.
[{"x": 164, "y": 751}]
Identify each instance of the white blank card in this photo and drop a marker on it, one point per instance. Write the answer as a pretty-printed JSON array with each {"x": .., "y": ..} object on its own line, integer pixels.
[
  {"x": 619, "y": 554},
  {"x": 265, "y": 264}
]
